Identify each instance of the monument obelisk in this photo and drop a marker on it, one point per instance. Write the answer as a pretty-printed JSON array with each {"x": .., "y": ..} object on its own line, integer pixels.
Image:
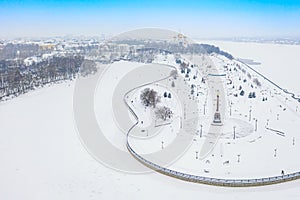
[{"x": 217, "y": 116}]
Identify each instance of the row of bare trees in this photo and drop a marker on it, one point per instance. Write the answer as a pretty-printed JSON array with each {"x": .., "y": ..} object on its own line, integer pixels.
[{"x": 16, "y": 80}]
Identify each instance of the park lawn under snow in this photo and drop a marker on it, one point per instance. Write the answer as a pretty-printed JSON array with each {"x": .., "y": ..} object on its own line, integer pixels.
[
  {"x": 279, "y": 62},
  {"x": 41, "y": 157}
]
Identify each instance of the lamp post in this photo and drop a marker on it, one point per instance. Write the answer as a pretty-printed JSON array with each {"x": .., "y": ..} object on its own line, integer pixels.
[
  {"x": 180, "y": 121},
  {"x": 255, "y": 124},
  {"x": 196, "y": 154},
  {"x": 162, "y": 144},
  {"x": 201, "y": 131},
  {"x": 275, "y": 152},
  {"x": 234, "y": 132}
]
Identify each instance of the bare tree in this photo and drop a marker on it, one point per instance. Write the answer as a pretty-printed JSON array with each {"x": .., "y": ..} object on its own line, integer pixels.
[
  {"x": 20, "y": 79},
  {"x": 88, "y": 67},
  {"x": 163, "y": 113},
  {"x": 149, "y": 97},
  {"x": 257, "y": 82}
]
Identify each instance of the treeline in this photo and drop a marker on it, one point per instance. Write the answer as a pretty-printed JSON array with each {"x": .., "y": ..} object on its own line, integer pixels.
[
  {"x": 178, "y": 48},
  {"x": 20, "y": 51},
  {"x": 16, "y": 80},
  {"x": 213, "y": 49}
]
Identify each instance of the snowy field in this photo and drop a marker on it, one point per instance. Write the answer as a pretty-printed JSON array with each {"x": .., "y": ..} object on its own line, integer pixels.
[
  {"x": 258, "y": 143},
  {"x": 42, "y": 157},
  {"x": 265, "y": 137}
]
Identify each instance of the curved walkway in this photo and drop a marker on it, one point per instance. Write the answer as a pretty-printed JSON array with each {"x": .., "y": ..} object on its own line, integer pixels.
[
  {"x": 203, "y": 179},
  {"x": 208, "y": 180},
  {"x": 184, "y": 137},
  {"x": 141, "y": 76},
  {"x": 214, "y": 181}
]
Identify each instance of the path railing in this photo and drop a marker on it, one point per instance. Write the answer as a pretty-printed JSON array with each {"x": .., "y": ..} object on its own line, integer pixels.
[
  {"x": 203, "y": 179},
  {"x": 213, "y": 181}
]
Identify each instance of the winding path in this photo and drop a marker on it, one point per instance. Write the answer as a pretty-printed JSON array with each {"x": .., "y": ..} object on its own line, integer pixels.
[
  {"x": 202, "y": 179},
  {"x": 184, "y": 137}
]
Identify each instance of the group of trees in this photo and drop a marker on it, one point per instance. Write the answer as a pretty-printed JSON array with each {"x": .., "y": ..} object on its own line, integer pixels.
[
  {"x": 163, "y": 113},
  {"x": 20, "y": 51},
  {"x": 168, "y": 47},
  {"x": 150, "y": 98},
  {"x": 252, "y": 95},
  {"x": 88, "y": 67},
  {"x": 257, "y": 82},
  {"x": 15, "y": 80},
  {"x": 167, "y": 95},
  {"x": 207, "y": 48}
]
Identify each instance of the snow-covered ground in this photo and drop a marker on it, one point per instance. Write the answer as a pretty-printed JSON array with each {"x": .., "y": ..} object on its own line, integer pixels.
[
  {"x": 257, "y": 139},
  {"x": 279, "y": 62},
  {"x": 42, "y": 157}
]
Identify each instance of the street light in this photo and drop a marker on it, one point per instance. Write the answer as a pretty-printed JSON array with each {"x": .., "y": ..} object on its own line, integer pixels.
[
  {"x": 255, "y": 124},
  {"x": 180, "y": 121},
  {"x": 234, "y": 132},
  {"x": 201, "y": 130},
  {"x": 230, "y": 108}
]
